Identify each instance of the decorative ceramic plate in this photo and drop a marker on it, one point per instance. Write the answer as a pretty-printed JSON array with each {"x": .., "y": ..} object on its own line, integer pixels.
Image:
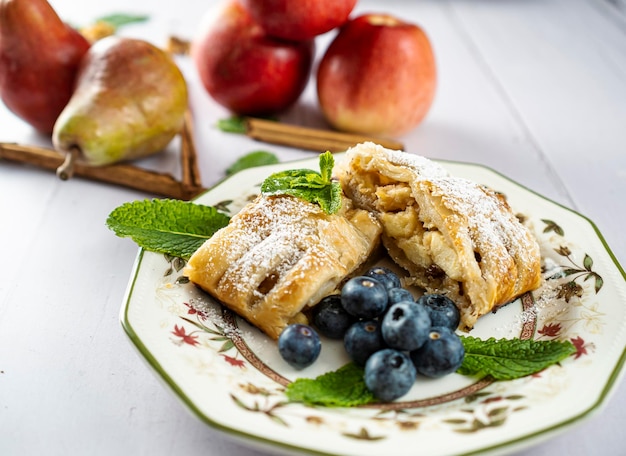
[{"x": 232, "y": 377}]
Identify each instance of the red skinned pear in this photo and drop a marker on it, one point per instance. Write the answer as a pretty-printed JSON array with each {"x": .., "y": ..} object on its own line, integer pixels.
[
  {"x": 378, "y": 76},
  {"x": 244, "y": 69},
  {"x": 130, "y": 102},
  {"x": 39, "y": 57}
]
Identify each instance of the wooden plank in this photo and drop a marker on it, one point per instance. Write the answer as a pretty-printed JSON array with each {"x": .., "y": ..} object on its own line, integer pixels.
[{"x": 561, "y": 68}]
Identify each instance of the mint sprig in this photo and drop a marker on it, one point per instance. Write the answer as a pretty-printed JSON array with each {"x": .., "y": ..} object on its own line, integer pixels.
[
  {"x": 312, "y": 186},
  {"x": 502, "y": 359},
  {"x": 233, "y": 124},
  {"x": 251, "y": 160},
  {"x": 344, "y": 387},
  {"x": 174, "y": 227},
  {"x": 118, "y": 20},
  {"x": 507, "y": 359}
]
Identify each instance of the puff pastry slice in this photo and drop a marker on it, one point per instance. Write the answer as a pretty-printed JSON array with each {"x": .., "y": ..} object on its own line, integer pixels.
[
  {"x": 452, "y": 235},
  {"x": 280, "y": 255}
]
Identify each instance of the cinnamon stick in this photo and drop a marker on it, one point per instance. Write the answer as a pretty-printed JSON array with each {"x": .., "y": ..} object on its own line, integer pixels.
[
  {"x": 310, "y": 138},
  {"x": 120, "y": 174},
  {"x": 190, "y": 170}
]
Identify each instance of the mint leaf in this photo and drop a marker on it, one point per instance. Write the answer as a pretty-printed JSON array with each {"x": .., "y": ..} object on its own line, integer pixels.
[
  {"x": 256, "y": 158},
  {"x": 344, "y": 387},
  {"x": 238, "y": 124},
  {"x": 503, "y": 359},
  {"x": 312, "y": 186},
  {"x": 234, "y": 124},
  {"x": 327, "y": 163},
  {"x": 507, "y": 359},
  {"x": 119, "y": 19},
  {"x": 332, "y": 203},
  {"x": 298, "y": 179},
  {"x": 175, "y": 227}
]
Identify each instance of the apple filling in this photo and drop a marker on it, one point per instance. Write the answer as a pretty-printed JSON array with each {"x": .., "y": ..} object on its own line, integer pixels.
[
  {"x": 451, "y": 235},
  {"x": 413, "y": 243}
]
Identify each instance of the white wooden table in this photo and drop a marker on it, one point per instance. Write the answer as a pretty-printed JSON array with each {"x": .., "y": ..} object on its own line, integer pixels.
[{"x": 534, "y": 89}]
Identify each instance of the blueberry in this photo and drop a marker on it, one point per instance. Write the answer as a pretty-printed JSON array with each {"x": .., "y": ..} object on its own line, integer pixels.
[
  {"x": 330, "y": 318},
  {"x": 299, "y": 345},
  {"x": 405, "y": 326},
  {"x": 362, "y": 339},
  {"x": 443, "y": 311},
  {"x": 389, "y": 374},
  {"x": 364, "y": 297},
  {"x": 384, "y": 275},
  {"x": 397, "y": 294},
  {"x": 441, "y": 354}
]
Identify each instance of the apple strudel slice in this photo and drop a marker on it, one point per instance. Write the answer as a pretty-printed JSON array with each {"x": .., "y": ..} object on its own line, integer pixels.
[
  {"x": 452, "y": 235},
  {"x": 280, "y": 255}
]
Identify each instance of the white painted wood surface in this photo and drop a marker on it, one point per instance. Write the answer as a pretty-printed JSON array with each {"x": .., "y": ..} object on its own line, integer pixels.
[{"x": 535, "y": 89}]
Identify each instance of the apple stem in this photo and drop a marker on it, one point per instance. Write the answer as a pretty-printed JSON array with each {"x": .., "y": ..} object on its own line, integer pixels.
[{"x": 66, "y": 169}]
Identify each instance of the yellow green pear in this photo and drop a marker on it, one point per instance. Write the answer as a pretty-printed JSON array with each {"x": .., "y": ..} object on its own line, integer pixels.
[{"x": 129, "y": 102}]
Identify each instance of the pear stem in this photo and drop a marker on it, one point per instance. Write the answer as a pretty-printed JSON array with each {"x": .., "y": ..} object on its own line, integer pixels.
[{"x": 66, "y": 169}]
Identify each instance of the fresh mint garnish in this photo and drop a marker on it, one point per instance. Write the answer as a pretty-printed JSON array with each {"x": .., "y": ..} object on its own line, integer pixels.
[
  {"x": 251, "y": 160},
  {"x": 174, "y": 227},
  {"x": 502, "y": 359},
  {"x": 238, "y": 124},
  {"x": 312, "y": 186},
  {"x": 507, "y": 359},
  {"x": 118, "y": 20},
  {"x": 344, "y": 387},
  {"x": 234, "y": 124}
]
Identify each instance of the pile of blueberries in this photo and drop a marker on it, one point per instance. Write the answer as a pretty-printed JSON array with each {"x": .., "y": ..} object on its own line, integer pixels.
[{"x": 385, "y": 330}]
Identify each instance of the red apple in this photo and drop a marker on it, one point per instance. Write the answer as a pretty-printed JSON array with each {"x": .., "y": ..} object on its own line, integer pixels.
[
  {"x": 378, "y": 76},
  {"x": 243, "y": 68},
  {"x": 299, "y": 19}
]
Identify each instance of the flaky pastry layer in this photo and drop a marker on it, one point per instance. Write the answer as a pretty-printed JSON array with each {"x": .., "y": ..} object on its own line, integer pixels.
[
  {"x": 451, "y": 235},
  {"x": 280, "y": 255}
]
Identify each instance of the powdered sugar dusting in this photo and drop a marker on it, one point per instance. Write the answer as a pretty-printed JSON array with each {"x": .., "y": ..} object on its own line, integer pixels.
[
  {"x": 489, "y": 224},
  {"x": 422, "y": 166},
  {"x": 494, "y": 228},
  {"x": 209, "y": 311},
  {"x": 425, "y": 168},
  {"x": 276, "y": 232}
]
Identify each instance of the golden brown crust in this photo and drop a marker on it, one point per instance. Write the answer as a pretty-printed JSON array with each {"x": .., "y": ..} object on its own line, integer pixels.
[
  {"x": 452, "y": 235},
  {"x": 280, "y": 255}
]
